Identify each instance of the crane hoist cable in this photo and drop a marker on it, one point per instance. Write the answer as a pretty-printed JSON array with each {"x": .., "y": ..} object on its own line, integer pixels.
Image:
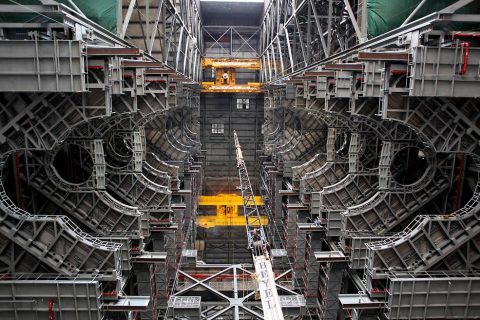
[{"x": 258, "y": 242}]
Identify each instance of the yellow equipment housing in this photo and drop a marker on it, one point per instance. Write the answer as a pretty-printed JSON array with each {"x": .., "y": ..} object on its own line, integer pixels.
[
  {"x": 226, "y": 212},
  {"x": 252, "y": 64},
  {"x": 225, "y": 75}
]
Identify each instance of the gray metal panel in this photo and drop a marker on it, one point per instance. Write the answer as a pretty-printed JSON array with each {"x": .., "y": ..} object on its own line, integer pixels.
[
  {"x": 437, "y": 72},
  {"x": 334, "y": 223},
  {"x": 373, "y": 79},
  {"x": 41, "y": 66},
  {"x": 433, "y": 298},
  {"x": 359, "y": 252},
  {"x": 288, "y": 168},
  {"x": 29, "y": 299},
  {"x": 344, "y": 84}
]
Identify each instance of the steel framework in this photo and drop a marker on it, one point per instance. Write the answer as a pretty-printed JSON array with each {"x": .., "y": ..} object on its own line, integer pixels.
[{"x": 408, "y": 89}]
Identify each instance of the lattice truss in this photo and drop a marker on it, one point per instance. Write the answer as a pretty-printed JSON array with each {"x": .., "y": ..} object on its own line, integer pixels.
[
  {"x": 98, "y": 139},
  {"x": 385, "y": 210},
  {"x": 345, "y": 118},
  {"x": 170, "y": 31},
  {"x": 295, "y": 34}
]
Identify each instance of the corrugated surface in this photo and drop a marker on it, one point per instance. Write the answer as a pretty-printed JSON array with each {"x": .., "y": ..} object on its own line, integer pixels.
[
  {"x": 386, "y": 15},
  {"x": 103, "y": 12}
]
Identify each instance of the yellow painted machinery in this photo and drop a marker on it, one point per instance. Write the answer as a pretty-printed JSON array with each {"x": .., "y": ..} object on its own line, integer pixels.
[
  {"x": 225, "y": 75},
  {"x": 251, "y": 64},
  {"x": 226, "y": 211}
]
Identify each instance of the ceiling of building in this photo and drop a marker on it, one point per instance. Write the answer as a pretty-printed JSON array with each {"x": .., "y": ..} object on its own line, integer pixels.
[{"x": 220, "y": 13}]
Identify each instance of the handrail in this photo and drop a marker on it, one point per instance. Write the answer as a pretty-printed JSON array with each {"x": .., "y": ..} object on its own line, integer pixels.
[
  {"x": 171, "y": 169},
  {"x": 300, "y": 170},
  {"x": 11, "y": 209}
]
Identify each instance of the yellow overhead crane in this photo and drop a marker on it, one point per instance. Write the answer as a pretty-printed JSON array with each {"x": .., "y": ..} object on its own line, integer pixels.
[
  {"x": 225, "y": 75},
  {"x": 227, "y": 211},
  {"x": 251, "y": 64}
]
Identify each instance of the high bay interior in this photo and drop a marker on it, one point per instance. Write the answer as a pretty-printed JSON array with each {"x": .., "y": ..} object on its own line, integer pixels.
[{"x": 286, "y": 159}]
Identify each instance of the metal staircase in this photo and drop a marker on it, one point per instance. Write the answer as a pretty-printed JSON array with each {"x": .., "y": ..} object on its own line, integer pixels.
[
  {"x": 328, "y": 174},
  {"x": 385, "y": 210},
  {"x": 426, "y": 240},
  {"x": 57, "y": 241},
  {"x": 137, "y": 189},
  {"x": 159, "y": 143},
  {"x": 14, "y": 259},
  {"x": 45, "y": 117},
  {"x": 173, "y": 171},
  {"x": 447, "y": 125},
  {"x": 311, "y": 165},
  {"x": 351, "y": 190},
  {"x": 96, "y": 209},
  {"x": 156, "y": 176}
]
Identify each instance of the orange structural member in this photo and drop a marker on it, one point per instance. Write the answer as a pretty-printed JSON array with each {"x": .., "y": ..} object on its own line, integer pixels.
[
  {"x": 227, "y": 208},
  {"x": 225, "y": 75},
  {"x": 251, "y": 64},
  {"x": 251, "y": 87}
]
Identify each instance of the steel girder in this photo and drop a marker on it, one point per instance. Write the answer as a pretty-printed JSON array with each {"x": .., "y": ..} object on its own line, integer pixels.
[
  {"x": 123, "y": 91},
  {"x": 170, "y": 31},
  {"x": 296, "y": 34},
  {"x": 379, "y": 82},
  {"x": 283, "y": 43},
  {"x": 232, "y": 42}
]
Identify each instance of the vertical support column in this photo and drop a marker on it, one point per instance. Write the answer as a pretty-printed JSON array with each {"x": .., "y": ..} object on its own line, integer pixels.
[
  {"x": 374, "y": 79},
  {"x": 329, "y": 27},
  {"x": 189, "y": 218},
  {"x": 116, "y": 78},
  {"x": 353, "y": 158},
  {"x": 137, "y": 151},
  {"x": 331, "y": 144},
  {"x": 146, "y": 286},
  {"x": 152, "y": 281},
  {"x": 330, "y": 283},
  {"x": 269, "y": 200},
  {"x": 108, "y": 89},
  {"x": 144, "y": 142},
  {"x": 300, "y": 100},
  {"x": 181, "y": 231},
  {"x": 385, "y": 91},
  {"x": 344, "y": 84},
  {"x": 362, "y": 19},
  {"x": 139, "y": 81},
  {"x": 322, "y": 88},
  {"x": 179, "y": 46},
  {"x": 193, "y": 70},
  {"x": 186, "y": 56},
  {"x": 171, "y": 249},
  {"x": 162, "y": 285},
  {"x": 290, "y": 231},
  {"x": 171, "y": 96},
  {"x": 316, "y": 203},
  {"x": 98, "y": 164},
  {"x": 312, "y": 269},
  {"x": 299, "y": 261},
  {"x": 384, "y": 166}
]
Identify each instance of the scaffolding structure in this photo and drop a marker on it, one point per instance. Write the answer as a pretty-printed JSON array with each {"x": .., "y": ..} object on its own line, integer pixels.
[
  {"x": 369, "y": 170},
  {"x": 391, "y": 192},
  {"x": 119, "y": 111}
]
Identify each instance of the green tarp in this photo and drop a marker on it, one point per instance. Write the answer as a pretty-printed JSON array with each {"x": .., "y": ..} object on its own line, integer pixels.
[
  {"x": 103, "y": 12},
  {"x": 386, "y": 15}
]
